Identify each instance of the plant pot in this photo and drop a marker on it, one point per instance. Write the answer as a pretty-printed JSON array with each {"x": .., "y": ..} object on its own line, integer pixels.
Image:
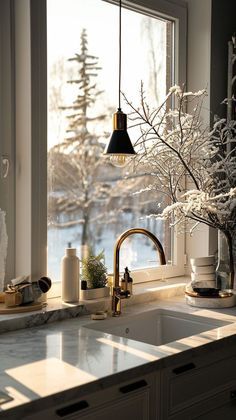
[{"x": 99, "y": 293}]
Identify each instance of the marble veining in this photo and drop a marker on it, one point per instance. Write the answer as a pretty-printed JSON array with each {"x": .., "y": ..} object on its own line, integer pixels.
[
  {"x": 54, "y": 311},
  {"x": 45, "y": 365}
]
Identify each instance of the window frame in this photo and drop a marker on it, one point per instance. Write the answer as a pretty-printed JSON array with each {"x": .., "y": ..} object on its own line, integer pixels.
[
  {"x": 7, "y": 128},
  {"x": 31, "y": 130},
  {"x": 31, "y": 137}
]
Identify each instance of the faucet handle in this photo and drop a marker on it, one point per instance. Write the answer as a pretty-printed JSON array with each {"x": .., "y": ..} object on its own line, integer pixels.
[
  {"x": 116, "y": 311},
  {"x": 124, "y": 294},
  {"x": 116, "y": 290},
  {"x": 117, "y": 295}
]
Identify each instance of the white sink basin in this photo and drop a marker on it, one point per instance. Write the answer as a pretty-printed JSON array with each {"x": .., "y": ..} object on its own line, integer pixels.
[{"x": 156, "y": 327}]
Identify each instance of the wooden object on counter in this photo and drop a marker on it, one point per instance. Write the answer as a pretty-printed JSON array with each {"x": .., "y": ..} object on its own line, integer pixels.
[
  {"x": 12, "y": 298},
  {"x": 20, "y": 309},
  {"x": 221, "y": 295}
]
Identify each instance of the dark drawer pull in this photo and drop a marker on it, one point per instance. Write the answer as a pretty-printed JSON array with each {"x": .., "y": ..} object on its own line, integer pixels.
[
  {"x": 70, "y": 409},
  {"x": 184, "y": 368},
  {"x": 132, "y": 387}
]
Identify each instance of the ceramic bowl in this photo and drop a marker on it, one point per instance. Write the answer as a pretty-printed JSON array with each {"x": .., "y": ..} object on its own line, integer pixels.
[
  {"x": 209, "y": 284},
  {"x": 206, "y": 269},
  {"x": 202, "y": 261},
  {"x": 203, "y": 277}
]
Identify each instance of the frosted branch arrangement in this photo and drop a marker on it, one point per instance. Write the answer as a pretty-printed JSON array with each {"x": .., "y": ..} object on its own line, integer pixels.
[{"x": 193, "y": 166}]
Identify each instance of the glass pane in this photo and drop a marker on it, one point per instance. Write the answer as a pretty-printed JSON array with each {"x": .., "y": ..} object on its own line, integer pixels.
[{"x": 89, "y": 201}]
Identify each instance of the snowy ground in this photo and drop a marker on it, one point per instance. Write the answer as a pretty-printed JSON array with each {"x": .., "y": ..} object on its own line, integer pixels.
[{"x": 136, "y": 251}]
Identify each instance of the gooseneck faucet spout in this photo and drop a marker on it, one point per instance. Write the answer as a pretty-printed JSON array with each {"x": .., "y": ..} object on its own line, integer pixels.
[{"x": 117, "y": 292}]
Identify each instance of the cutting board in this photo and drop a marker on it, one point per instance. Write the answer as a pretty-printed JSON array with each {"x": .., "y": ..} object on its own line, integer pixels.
[{"x": 20, "y": 309}]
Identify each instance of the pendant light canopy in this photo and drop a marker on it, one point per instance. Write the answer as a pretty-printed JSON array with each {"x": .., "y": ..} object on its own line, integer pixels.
[{"x": 119, "y": 148}]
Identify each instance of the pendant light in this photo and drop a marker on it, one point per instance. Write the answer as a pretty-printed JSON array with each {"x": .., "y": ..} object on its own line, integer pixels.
[{"x": 119, "y": 148}]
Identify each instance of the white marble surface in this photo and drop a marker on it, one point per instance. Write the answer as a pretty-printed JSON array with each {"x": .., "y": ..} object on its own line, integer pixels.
[
  {"x": 55, "y": 310},
  {"x": 54, "y": 363},
  {"x": 211, "y": 303}
]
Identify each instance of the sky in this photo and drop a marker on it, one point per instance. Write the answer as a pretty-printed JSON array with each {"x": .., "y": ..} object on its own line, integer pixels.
[{"x": 66, "y": 19}]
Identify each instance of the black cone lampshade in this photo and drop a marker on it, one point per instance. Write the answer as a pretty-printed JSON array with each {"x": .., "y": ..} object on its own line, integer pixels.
[{"x": 119, "y": 148}]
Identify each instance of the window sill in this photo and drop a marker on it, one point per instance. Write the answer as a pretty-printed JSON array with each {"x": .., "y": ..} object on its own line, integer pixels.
[{"x": 58, "y": 311}]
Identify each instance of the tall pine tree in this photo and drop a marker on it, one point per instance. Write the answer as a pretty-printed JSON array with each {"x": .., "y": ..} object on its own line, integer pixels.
[
  {"x": 76, "y": 164},
  {"x": 84, "y": 189}
]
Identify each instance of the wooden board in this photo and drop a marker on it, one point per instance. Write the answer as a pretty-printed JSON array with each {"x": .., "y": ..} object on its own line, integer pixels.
[
  {"x": 220, "y": 296},
  {"x": 20, "y": 309}
]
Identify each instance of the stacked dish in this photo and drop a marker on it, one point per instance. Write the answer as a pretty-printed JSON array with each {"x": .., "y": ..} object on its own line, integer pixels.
[{"x": 203, "y": 276}]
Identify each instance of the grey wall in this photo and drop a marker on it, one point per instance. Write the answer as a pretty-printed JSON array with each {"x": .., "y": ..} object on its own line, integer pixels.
[
  {"x": 223, "y": 19},
  {"x": 211, "y": 24},
  {"x": 199, "y": 50}
]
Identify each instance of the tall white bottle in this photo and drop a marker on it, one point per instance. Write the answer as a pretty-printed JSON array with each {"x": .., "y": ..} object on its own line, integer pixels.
[{"x": 70, "y": 276}]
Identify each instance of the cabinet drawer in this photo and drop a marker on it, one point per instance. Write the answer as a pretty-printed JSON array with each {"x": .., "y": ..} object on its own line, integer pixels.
[
  {"x": 132, "y": 399},
  {"x": 135, "y": 406},
  {"x": 192, "y": 382},
  {"x": 220, "y": 407}
]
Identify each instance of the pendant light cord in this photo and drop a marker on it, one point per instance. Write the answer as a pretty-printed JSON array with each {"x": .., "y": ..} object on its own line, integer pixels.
[{"x": 119, "y": 109}]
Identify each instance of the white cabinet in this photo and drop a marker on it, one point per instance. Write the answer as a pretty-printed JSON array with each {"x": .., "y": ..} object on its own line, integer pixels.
[
  {"x": 220, "y": 407},
  {"x": 200, "y": 388},
  {"x": 135, "y": 406},
  {"x": 132, "y": 400},
  {"x": 197, "y": 388}
]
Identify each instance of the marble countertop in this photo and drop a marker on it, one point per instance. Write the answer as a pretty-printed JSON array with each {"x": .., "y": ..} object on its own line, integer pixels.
[
  {"x": 63, "y": 360},
  {"x": 56, "y": 310}
]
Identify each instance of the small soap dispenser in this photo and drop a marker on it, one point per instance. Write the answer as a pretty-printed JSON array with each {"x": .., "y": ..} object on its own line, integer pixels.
[{"x": 70, "y": 275}]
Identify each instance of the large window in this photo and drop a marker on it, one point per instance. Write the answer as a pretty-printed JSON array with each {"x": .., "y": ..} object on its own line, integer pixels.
[
  {"x": 153, "y": 50},
  {"x": 89, "y": 201}
]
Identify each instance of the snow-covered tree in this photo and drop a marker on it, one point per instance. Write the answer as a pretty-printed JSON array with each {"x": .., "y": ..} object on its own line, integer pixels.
[
  {"x": 75, "y": 164},
  {"x": 194, "y": 167},
  {"x": 84, "y": 188}
]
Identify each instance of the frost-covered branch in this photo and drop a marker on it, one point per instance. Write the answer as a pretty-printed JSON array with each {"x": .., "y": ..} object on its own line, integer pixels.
[{"x": 192, "y": 165}]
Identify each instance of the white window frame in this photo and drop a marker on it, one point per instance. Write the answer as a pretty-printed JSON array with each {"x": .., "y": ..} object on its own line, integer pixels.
[
  {"x": 31, "y": 137},
  {"x": 7, "y": 140},
  {"x": 31, "y": 130}
]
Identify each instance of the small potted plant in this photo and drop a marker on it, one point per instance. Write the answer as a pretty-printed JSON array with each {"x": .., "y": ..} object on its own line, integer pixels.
[{"x": 94, "y": 272}]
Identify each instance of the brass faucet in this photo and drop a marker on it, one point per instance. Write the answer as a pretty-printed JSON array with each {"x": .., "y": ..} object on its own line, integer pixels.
[{"x": 118, "y": 293}]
